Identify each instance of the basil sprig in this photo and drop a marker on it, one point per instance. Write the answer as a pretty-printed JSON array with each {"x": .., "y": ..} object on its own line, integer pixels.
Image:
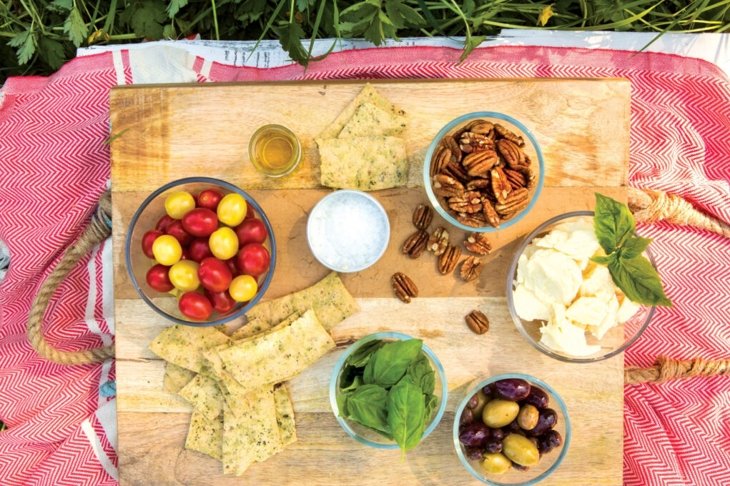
[
  {"x": 389, "y": 387},
  {"x": 615, "y": 229}
]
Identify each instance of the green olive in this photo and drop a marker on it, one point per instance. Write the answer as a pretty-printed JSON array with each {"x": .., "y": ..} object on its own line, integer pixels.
[
  {"x": 481, "y": 401},
  {"x": 527, "y": 419},
  {"x": 520, "y": 450},
  {"x": 499, "y": 413},
  {"x": 496, "y": 463}
]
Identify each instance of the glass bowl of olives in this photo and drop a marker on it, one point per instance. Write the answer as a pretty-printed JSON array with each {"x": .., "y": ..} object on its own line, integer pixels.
[{"x": 511, "y": 429}]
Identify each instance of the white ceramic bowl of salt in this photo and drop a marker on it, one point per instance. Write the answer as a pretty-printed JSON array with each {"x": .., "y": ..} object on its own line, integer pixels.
[{"x": 348, "y": 231}]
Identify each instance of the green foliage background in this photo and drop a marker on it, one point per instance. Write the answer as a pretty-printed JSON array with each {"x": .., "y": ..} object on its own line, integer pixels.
[{"x": 37, "y": 36}]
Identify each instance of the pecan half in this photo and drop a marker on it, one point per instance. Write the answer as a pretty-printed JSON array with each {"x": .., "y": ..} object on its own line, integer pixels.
[
  {"x": 477, "y": 184},
  {"x": 422, "y": 216},
  {"x": 512, "y": 154},
  {"x": 500, "y": 185},
  {"x": 477, "y": 322},
  {"x": 475, "y": 220},
  {"x": 448, "y": 260},
  {"x": 455, "y": 170},
  {"x": 447, "y": 186},
  {"x": 404, "y": 287},
  {"x": 439, "y": 241},
  {"x": 471, "y": 268},
  {"x": 453, "y": 147},
  {"x": 508, "y": 134},
  {"x": 474, "y": 142},
  {"x": 516, "y": 178},
  {"x": 516, "y": 201},
  {"x": 477, "y": 164},
  {"x": 478, "y": 243},
  {"x": 469, "y": 202},
  {"x": 441, "y": 157},
  {"x": 490, "y": 214},
  {"x": 479, "y": 126},
  {"x": 415, "y": 244}
]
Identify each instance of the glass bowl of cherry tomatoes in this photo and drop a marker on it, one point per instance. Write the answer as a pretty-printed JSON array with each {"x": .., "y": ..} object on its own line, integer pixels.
[{"x": 200, "y": 251}]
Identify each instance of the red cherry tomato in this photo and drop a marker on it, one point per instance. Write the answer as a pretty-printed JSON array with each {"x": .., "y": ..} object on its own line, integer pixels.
[
  {"x": 209, "y": 199},
  {"x": 252, "y": 230},
  {"x": 147, "y": 240},
  {"x": 199, "y": 249},
  {"x": 200, "y": 222},
  {"x": 231, "y": 262},
  {"x": 164, "y": 223},
  {"x": 158, "y": 278},
  {"x": 222, "y": 301},
  {"x": 253, "y": 259},
  {"x": 176, "y": 229},
  {"x": 250, "y": 213},
  {"x": 214, "y": 274},
  {"x": 195, "y": 306},
  {"x": 185, "y": 253}
]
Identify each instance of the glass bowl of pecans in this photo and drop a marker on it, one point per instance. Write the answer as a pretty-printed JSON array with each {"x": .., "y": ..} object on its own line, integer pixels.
[{"x": 483, "y": 171}]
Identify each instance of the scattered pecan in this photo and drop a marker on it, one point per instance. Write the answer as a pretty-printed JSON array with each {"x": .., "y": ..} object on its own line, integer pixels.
[
  {"x": 516, "y": 201},
  {"x": 477, "y": 164},
  {"x": 478, "y": 243},
  {"x": 404, "y": 287},
  {"x": 447, "y": 186},
  {"x": 422, "y": 216},
  {"x": 490, "y": 214},
  {"x": 448, "y": 260},
  {"x": 500, "y": 185},
  {"x": 508, "y": 134},
  {"x": 415, "y": 244},
  {"x": 477, "y": 322},
  {"x": 439, "y": 241},
  {"x": 471, "y": 268},
  {"x": 470, "y": 202}
]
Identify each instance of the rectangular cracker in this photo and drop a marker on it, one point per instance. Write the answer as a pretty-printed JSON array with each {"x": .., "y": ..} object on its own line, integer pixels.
[
  {"x": 205, "y": 435},
  {"x": 278, "y": 355},
  {"x": 184, "y": 345},
  {"x": 329, "y": 298},
  {"x": 176, "y": 377},
  {"x": 204, "y": 395},
  {"x": 285, "y": 415}
]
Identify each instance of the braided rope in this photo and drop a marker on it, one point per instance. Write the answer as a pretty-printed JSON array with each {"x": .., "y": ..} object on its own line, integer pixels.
[
  {"x": 98, "y": 230},
  {"x": 671, "y": 369}
]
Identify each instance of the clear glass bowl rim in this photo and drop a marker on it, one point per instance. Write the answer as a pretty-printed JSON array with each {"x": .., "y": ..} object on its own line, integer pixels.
[
  {"x": 518, "y": 322},
  {"x": 214, "y": 182},
  {"x": 450, "y": 126},
  {"x": 378, "y": 336},
  {"x": 380, "y": 209},
  {"x": 532, "y": 380}
]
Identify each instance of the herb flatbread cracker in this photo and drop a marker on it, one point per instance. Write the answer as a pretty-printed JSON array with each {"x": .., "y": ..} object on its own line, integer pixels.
[
  {"x": 176, "y": 377},
  {"x": 329, "y": 299},
  {"x": 368, "y": 95},
  {"x": 205, "y": 435},
  {"x": 204, "y": 395},
  {"x": 285, "y": 415},
  {"x": 184, "y": 345},
  {"x": 365, "y": 163},
  {"x": 278, "y": 355},
  {"x": 371, "y": 120},
  {"x": 252, "y": 436}
]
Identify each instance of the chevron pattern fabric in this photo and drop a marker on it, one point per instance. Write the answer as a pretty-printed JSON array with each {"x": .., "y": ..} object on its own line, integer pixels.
[{"x": 54, "y": 165}]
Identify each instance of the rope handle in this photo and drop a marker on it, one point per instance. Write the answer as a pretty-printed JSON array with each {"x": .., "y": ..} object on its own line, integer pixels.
[
  {"x": 98, "y": 230},
  {"x": 671, "y": 369}
]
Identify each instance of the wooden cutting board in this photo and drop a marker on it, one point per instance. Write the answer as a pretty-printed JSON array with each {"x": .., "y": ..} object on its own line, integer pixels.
[{"x": 162, "y": 133}]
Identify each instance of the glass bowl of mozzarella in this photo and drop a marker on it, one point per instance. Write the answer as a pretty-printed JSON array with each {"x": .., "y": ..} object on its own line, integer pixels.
[{"x": 566, "y": 305}]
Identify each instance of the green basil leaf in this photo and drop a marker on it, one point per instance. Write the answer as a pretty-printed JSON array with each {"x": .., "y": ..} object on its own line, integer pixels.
[
  {"x": 406, "y": 414},
  {"x": 432, "y": 403},
  {"x": 639, "y": 280},
  {"x": 612, "y": 222},
  {"x": 634, "y": 246},
  {"x": 389, "y": 363},
  {"x": 348, "y": 376},
  {"x": 341, "y": 398},
  {"x": 354, "y": 384},
  {"x": 362, "y": 355},
  {"x": 421, "y": 374},
  {"x": 367, "y": 406},
  {"x": 604, "y": 260}
]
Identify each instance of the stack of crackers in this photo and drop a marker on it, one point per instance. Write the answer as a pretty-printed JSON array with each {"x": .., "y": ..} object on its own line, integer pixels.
[
  {"x": 242, "y": 411},
  {"x": 363, "y": 148}
]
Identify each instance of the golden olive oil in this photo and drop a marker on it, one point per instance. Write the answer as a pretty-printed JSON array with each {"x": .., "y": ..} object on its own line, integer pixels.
[{"x": 274, "y": 150}]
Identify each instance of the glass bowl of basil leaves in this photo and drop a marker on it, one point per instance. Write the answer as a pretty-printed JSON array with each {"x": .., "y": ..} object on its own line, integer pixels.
[
  {"x": 388, "y": 391},
  {"x": 583, "y": 286}
]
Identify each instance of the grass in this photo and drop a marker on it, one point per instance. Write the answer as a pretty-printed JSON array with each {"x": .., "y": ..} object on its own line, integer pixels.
[{"x": 38, "y": 36}]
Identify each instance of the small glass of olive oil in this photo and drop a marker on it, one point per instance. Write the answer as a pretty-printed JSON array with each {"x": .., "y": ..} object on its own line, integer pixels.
[{"x": 274, "y": 150}]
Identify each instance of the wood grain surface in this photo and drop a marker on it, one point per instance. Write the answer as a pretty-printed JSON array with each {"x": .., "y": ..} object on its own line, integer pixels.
[{"x": 170, "y": 132}]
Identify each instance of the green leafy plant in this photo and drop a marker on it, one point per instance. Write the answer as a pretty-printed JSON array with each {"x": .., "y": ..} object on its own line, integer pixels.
[
  {"x": 631, "y": 272},
  {"x": 37, "y": 36},
  {"x": 389, "y": 388}
]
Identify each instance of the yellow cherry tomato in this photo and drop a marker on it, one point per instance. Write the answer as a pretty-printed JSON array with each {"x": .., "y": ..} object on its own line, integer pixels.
[
  {"x": 179, "y": 203},
  {"x": 232, "y": 209},
  {"x": 243, "y": 288},
  {"x": 166, "y": 250},
  {"x": 184, "y": 275},
  {"x": 223, "y": 243}
]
